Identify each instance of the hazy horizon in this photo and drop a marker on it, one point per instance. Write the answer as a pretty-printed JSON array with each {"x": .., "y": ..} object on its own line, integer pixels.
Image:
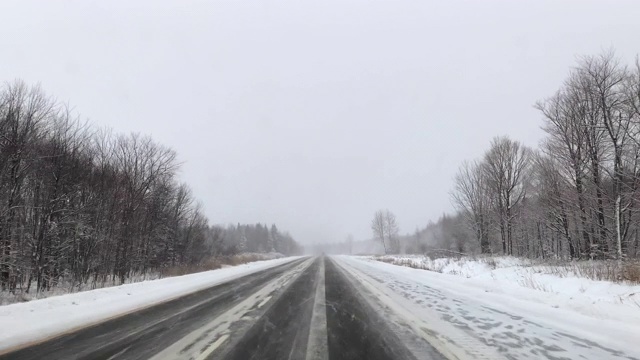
[{"x": 313, "y": 116}]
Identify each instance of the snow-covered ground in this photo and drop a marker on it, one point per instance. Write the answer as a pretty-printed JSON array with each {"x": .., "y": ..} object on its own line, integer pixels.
[
  {"x": 39, "y": 319},
  {"x": 493, "y": 311},
  {"x": 65, "y": 287},
  {"x": 507, "y": 272}
]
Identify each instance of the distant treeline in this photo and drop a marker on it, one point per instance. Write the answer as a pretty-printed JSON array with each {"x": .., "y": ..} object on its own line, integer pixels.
[
  {"x": 257, "y": 239},
  {"x": 85, "y": 205}
]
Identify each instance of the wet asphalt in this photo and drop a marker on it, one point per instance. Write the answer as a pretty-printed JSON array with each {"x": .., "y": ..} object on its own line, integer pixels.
[{"x": 354, "y": 330}]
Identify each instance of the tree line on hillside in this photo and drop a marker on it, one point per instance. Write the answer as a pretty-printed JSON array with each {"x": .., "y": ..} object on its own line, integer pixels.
[
  {"x": 90, "y": 206},
  {"x": 446, "y": 234},
  {"x": 257, "y": 238},
  {"x": 576, "y": 196}
]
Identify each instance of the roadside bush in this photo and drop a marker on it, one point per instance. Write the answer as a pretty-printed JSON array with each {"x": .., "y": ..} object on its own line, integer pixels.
[{"x": 631, "y": 272}]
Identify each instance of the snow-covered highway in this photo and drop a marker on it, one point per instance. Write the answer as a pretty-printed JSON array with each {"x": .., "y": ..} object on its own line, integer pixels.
[
  {"x": 337, "y": 307},
  {"x": 303, "y": 308}
]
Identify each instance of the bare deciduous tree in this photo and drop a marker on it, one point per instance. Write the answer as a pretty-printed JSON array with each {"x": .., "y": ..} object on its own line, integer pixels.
[
  {"x": 577, "y": 195},
  {"x": 87, "y": 207},
  {"x": 471, "y": 198},
  {"x": 385, "y": 229},
  {"x": 505, "y": 166}
]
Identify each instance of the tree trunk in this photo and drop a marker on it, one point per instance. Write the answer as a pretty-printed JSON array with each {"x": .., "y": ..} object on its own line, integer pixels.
[{"x": 618, "y": 229}]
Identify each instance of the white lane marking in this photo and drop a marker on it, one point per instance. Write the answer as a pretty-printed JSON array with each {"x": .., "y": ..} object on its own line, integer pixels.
[
  {"x": 264, "y": 301},
  {"x": 114, "y": 356},
  {"x": 317, "y": 345},
  {"x": 213, "y": 347}
]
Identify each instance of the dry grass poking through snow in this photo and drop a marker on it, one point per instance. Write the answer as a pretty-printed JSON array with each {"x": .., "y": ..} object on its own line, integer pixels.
[
  {"x": 601, "y": 270},
  {"x": 462, "y": 265}
]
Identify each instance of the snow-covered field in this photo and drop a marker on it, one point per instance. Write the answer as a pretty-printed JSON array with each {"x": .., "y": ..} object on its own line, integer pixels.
[
  {"x": 505, "y": 272},
  {"x": 39, "y": 319},
  {"x": 510, "y": 308}
]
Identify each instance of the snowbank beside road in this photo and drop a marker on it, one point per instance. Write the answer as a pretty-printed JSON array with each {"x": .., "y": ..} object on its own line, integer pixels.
[
  {"x": 39, "y": 319},
  {"x": 513, "y": 320},
  {"x": 506, "y": 273}
]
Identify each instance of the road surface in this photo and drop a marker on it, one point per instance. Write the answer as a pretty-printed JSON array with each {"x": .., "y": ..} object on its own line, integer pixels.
[
  {"x": 317, "y": 308},
  {"x": 305, "y": 309}
]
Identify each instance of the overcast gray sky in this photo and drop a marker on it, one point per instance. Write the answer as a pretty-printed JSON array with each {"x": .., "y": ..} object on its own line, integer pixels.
[{"x": 313, "y": 114}]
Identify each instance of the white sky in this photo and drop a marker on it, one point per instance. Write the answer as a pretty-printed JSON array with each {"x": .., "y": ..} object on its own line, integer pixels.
[{"x": 313, "y": 114}]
